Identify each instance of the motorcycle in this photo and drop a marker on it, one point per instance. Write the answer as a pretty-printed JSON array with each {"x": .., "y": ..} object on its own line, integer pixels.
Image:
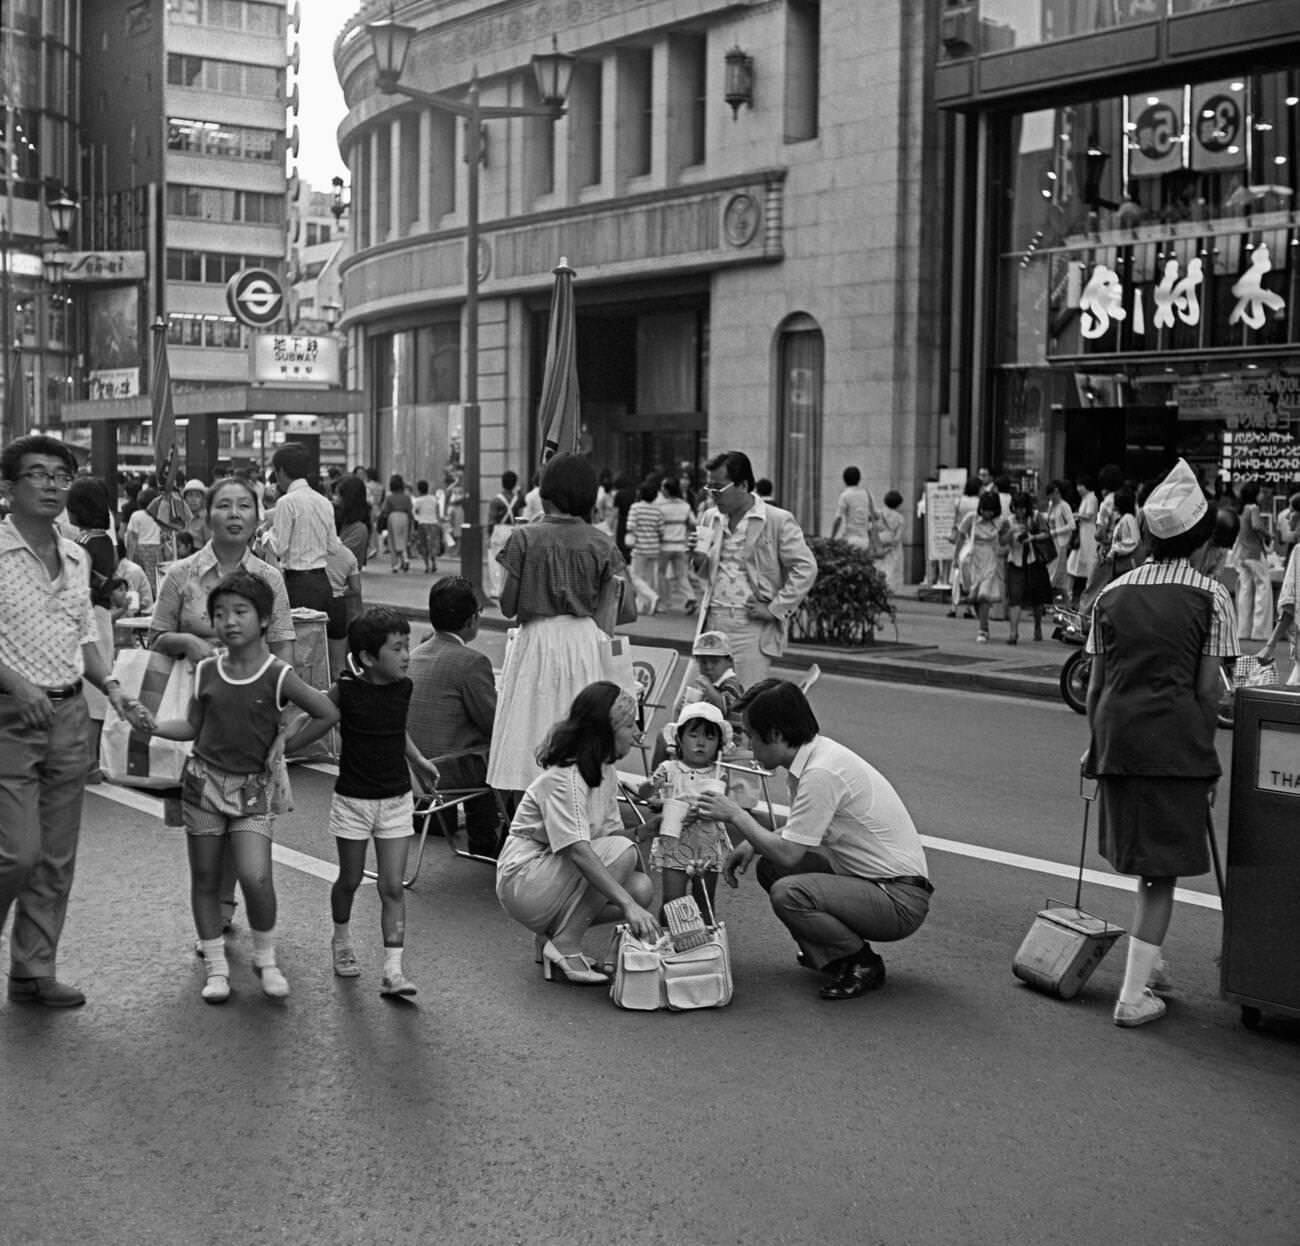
[{"x": 1072, "y": 629}]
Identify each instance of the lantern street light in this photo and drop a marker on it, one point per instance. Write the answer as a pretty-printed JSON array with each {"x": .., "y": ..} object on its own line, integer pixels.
[{"x": 390, "y": 41}]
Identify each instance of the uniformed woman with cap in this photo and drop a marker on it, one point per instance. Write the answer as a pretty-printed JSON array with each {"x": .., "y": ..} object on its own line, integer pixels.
[{"x": 1159, "y": 636}]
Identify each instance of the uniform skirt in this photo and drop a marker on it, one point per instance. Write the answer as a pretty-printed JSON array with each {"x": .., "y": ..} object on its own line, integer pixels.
[
  {"x": 550, "y": 661},
  {"x": 1155, "y": 827}
]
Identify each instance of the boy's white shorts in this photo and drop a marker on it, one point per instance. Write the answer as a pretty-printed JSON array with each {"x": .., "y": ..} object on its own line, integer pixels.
[{"x": 356, "y": 817}]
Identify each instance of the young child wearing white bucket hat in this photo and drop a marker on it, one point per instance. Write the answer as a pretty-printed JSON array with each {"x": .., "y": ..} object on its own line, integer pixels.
[{"x": 688, "y": 849}]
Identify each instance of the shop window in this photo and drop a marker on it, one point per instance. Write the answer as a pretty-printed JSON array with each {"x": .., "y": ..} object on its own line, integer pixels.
[
  {"x": 687, "y": 100},
  {"x": 585, "y": 122},
  {"x": 383, "y": 185},
  {"x": 800, "y": 370},
  {"x": 408, "y": 190},
  {"x": 635, "y": 111},
  {"x": 444, "y": 168},
  {"x": 803, "y": 35},
  {"x": 538, "y": 147}
]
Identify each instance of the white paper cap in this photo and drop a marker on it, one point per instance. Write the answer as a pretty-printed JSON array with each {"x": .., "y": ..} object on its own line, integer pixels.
[{"x": 1176, "y": 504}]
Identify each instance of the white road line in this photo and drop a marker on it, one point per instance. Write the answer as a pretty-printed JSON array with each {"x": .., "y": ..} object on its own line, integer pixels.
[
  {"x": 1014, "y": 859},
  {"x": 289, "y": 857},
  {"x": 995, "y": 856}
]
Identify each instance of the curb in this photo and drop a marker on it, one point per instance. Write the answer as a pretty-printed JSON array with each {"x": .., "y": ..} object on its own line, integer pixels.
[{"x": 832, "y": 662}]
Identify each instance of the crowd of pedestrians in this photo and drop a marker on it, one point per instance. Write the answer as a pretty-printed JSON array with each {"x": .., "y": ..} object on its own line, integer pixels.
[{"x": 569, "y": 560}]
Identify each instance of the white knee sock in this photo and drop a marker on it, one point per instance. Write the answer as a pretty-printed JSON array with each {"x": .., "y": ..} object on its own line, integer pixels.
[
  {"x": 214, "y": 957},
  {"x": 264, "y": 947},
  {"x": 1142, "y": 958},
  {"x": 392, "y": 961}
]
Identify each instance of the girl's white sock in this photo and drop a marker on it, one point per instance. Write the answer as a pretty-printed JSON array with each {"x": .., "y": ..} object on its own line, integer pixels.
[
  {"x": 1141, "y": 961},
  {"x": 343, "y": 934},
  {"x": 214, "y": 957},
  {"x": 392, "y": 961},
  {"x": 264, "y": 947}
]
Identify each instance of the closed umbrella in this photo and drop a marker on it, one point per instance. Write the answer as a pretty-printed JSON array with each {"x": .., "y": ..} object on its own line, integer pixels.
[
  {"x": 559, "y": 411},
  {"x": 169, "y": 507}
]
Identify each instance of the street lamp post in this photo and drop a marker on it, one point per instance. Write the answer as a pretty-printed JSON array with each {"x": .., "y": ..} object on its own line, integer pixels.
[
  {"x": 62, "y": 209},
  {"x": 390, "y": 41}
]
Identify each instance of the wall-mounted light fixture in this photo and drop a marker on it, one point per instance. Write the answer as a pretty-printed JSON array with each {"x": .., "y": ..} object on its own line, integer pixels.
[{"x": 739, "y": 82}]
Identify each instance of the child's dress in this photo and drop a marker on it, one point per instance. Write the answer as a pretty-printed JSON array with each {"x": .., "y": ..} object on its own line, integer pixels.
[{"x": 702, "y": 845}]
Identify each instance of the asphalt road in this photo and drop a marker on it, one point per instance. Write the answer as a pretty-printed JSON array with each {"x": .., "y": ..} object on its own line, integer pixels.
[{"x": 955, "y": 1106}]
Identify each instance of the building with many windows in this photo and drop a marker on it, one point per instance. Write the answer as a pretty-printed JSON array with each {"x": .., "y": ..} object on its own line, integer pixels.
[
  {"x": 1125, "y": 234},
  {"x": 748, "y": 195},
  {"x": 185, "y": 160},
  {"x": 40, "y": 168}
]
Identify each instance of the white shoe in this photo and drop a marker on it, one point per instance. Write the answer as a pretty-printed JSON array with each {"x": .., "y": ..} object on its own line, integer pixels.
[
  {"x": 1147, "y": 1008},
  {"x": 216, "y": 990},
  {"x": 654, "y": 603},
  {"x": 274, "y": 984},
  {"x": 1161, "y": 982},
  {"x": 397, "y": 985}
]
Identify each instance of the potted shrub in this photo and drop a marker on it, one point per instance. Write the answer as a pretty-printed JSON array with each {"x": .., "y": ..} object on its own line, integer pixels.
[{"x": 848, "y": 601}]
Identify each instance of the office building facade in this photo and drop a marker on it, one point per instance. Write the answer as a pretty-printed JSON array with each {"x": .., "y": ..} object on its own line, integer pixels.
[{"x": 747, "y": 193}]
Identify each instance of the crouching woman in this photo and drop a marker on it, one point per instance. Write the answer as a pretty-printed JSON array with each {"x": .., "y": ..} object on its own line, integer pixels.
[{"x": 566, "y": 864}]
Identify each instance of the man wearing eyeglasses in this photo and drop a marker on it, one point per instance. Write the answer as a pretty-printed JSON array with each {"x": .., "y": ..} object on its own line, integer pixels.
[
  {"x": 756, "y": 565},
  {"x": 47, "y": 653}
]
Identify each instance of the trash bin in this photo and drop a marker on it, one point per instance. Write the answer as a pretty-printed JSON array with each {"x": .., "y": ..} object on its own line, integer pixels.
[{"x": 1261, "y": 920}]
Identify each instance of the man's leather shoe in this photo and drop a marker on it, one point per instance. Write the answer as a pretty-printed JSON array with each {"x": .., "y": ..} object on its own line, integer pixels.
[
  {"x": 48, "y": 991},
  {"x": 863, "y": 973}
]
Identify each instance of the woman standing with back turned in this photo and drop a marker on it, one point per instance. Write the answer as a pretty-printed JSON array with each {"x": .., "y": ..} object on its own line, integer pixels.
[{"x": 558, "y": 570}]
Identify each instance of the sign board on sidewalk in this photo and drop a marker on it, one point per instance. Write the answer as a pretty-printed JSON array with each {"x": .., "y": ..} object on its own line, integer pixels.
[{"x": 940, "y": 511}]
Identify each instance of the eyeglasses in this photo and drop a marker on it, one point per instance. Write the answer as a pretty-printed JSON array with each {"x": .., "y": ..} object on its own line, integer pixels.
[
  {"x": 39, "y": 476},
  {"x": 717, "y": 489}
]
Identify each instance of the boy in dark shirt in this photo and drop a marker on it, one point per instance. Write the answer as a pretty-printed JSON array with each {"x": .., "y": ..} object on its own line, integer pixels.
[{"x": 372, "y": 798}]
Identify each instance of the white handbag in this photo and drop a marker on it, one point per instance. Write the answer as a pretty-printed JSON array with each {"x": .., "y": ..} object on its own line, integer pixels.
[{"x": 651, "y": 976}]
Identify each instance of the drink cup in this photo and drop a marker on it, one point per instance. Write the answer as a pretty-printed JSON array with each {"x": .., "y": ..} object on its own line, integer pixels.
[
  {"x": 693, "y": 695},
  {"x": 717, "y": 786},
  {"x": 675, "y": 811}
]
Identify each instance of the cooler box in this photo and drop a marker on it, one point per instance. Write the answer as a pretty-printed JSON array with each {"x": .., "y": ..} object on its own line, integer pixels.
[{"x": 1062, "y": 948}]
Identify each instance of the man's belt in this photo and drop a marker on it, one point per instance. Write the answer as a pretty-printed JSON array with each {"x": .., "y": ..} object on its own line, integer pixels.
[
  {"x": 907, "y": 880},
  {"x": 66, "y": 693}
]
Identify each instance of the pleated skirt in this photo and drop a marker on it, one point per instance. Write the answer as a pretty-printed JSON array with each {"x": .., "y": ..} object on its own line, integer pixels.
[{"x": 548, "y": 664}]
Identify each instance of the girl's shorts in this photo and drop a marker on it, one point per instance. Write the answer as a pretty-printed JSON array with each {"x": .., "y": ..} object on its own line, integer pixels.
[
  {"x": 357, "y": 817},
  {"x": 214, "y": 802}
]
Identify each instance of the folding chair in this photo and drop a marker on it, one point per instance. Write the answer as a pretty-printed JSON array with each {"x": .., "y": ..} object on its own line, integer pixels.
[{"x": 430, "y": 804}]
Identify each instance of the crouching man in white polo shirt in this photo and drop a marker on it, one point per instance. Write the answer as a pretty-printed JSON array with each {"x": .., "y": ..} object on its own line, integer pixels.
[{"x": 847, "y": 868}]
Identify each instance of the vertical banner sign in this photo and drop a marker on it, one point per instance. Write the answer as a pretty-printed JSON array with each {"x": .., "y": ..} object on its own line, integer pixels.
[
  {"x": 1219, "y": 134},
  {"x": 1156, "y": 142}
]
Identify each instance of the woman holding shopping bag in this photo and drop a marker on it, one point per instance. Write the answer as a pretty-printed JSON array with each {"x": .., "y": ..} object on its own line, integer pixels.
[
  {"x": 560, "y": 573},
  {"x": 181, "y": 625}
]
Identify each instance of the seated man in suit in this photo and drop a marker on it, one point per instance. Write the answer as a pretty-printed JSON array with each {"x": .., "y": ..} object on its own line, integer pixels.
[{"x": 453, "y": 705}]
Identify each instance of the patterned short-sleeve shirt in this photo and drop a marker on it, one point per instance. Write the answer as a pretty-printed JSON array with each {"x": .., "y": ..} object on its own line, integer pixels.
[
  {"x": 43, "y": 622},
  {"x": 182, "y": 604}
]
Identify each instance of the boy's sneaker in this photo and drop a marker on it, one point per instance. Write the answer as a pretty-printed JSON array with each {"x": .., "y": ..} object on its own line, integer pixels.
[
  {"x": 397, "y": 985},
  {"x": 345, "y": 962},
  {"x": 274, "y": 984},
  {"x": 216, "y": 990}
]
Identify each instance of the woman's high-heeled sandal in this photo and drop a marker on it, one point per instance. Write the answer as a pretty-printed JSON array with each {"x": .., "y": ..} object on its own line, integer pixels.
[{"x": 554, "y": 961}]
